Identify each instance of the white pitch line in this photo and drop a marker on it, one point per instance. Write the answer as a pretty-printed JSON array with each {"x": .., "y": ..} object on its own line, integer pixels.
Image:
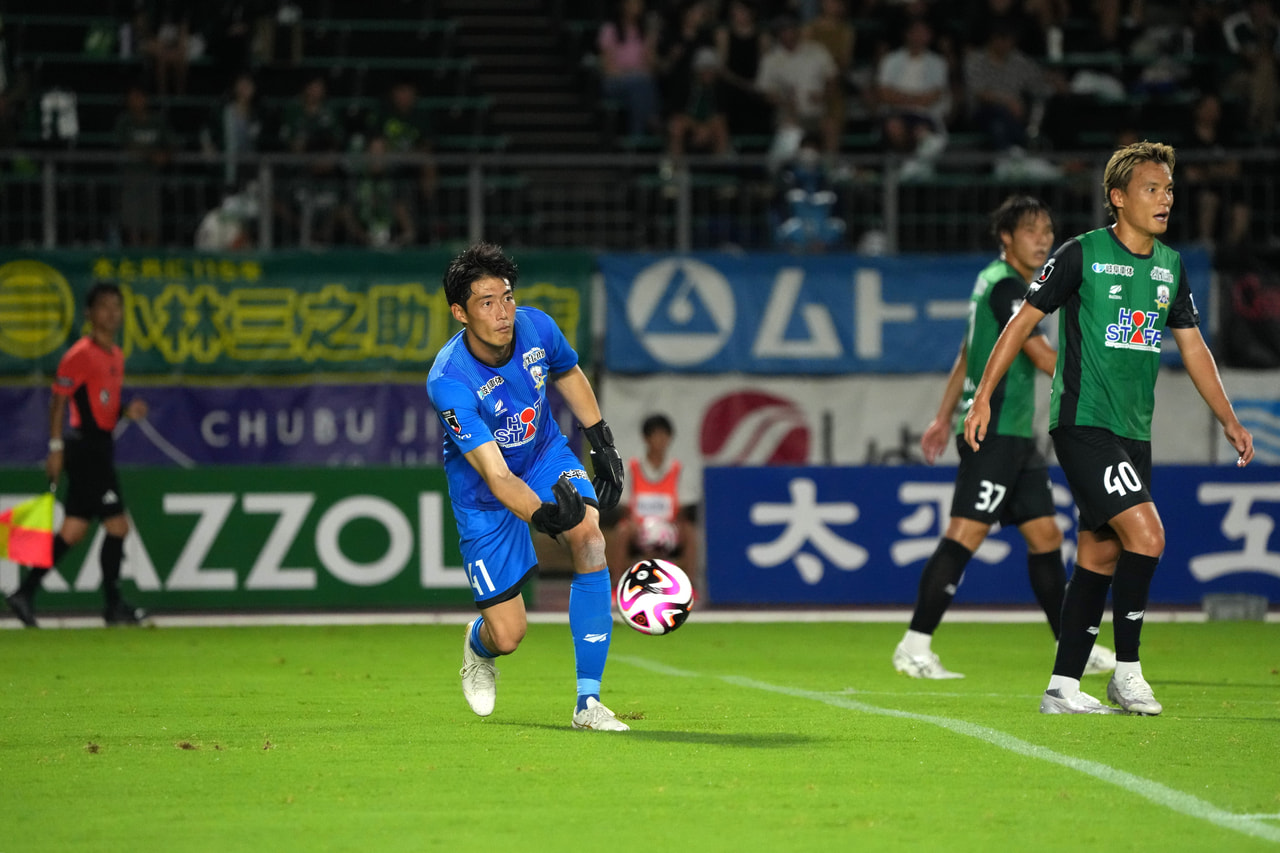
[{"x": 1177, "y": 801}]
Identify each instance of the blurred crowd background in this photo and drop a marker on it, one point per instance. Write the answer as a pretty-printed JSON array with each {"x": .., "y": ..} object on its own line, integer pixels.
[{"x": 806, "y": 125}]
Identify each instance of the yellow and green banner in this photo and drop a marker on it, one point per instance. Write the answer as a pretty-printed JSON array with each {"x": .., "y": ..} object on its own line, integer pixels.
[{"x": 219, "y": 317}]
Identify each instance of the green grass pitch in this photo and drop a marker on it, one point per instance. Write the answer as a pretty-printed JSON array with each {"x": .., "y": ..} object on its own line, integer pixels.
[{"x": 775, "y": 736}]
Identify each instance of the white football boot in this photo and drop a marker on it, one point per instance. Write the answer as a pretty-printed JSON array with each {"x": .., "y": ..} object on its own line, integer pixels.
[
  {"x": 1057, "y": 702},
  {"x": 479, "y": 678},
  {"x": 597, "y": 716},
  {"x": 1101, "y": 660},
  {"x": 1133, "y": 694},
  {"x": 921, "y": 666}
]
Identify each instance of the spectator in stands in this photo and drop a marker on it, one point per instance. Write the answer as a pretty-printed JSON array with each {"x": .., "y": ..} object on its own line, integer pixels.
[
  {"x": 1253, "y": 35},
  {"x": 145, "y": 137},
  {"x": 656, "y": 512},
  {"x": 627, "y": 54},
  {"x": 310, "y": 126},
  {"x": 914, "y": 94},
  {"x": 234, "y": 128},
  {"x": 404, "y": 125},
  {"x": 378, "y": 210},
  {"x": 1029, "y": 21},
  {"x": 809, "y": 202},
  {"x": 15, "y": 90},
  {"x": 1213, "y": 178},
  {"x": 231, "y": 36},
  {"x": 676, "y": 50},
  {"x": 278, "y": 33},
  {"x": 163, "y": 33},
  {"x": 741, "y": 43},
  {"x": 1001, "y": 82},
  {"x": 701, "y": 124},
  {"x": 797, "y": 76},
  {"x": 832, "y": 29}
]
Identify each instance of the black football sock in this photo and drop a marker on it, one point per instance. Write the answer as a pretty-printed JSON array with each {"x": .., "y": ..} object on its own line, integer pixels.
[
  {"x": 111, "y": 555},
  {"x": 1049, "y": 583},
  {"x": 938, "y": 582},
  {"x": 1129, "y": 601},
  {"x": 1082, "y": 605},
  {"x": 35, "y": 577}
]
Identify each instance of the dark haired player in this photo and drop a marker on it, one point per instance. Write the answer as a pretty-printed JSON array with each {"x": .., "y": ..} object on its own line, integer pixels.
[
  {"x": 508, "y": 465},
  {"x": 90, "y": 377},
  {"x": 1007, "y": 479},
  {"x": 1119, "y": 289}
]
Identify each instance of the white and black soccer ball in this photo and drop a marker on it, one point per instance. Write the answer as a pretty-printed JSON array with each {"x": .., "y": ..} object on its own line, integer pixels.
[{"x": 654, "y": 596}]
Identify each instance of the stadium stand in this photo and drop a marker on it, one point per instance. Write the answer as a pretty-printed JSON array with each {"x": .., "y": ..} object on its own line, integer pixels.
[{"x": 518, "y": 80}]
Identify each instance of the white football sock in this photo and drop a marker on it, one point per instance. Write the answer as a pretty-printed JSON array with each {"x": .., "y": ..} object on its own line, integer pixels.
[
  {"x": 1066, "y": 686},
  {"x": 916, "y": 643}
]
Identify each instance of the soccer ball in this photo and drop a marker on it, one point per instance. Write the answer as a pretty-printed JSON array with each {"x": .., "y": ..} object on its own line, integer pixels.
[{"x": 654, "y": 596}]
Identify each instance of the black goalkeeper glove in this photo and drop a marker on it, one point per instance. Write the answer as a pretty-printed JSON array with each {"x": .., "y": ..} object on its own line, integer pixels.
[
  {"x": 607, "y": 465},
  {"x": 565, "y": 514}
]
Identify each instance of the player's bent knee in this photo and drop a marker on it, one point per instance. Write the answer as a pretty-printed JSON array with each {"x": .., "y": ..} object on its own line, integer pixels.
[{"x": 505, "y": 639}]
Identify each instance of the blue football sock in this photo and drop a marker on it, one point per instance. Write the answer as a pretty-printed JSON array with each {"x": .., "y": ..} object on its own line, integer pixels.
[
  {"x": 591, "y": 622},
  {"x": 477, "y": 645}
]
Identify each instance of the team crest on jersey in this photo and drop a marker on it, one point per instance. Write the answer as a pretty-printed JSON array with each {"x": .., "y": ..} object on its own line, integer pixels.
[
  {"x": 519, "y": 428},
  {"x": 1045, "y": 272},
  {"x": 539, "y": 376},
  {"x": 1134, "y": 330},
  {"x": 451, "y": 420},
  {"x": 1162, "y": 295}
]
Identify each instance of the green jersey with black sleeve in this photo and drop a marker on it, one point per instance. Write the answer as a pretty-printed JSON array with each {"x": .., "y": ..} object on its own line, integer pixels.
[
  {"x": 1115, "y": 306},
  {"x": 996, "y": 295}
]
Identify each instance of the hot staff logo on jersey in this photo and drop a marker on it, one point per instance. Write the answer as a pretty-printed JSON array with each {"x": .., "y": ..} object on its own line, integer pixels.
[
  {"x": 519, "y": 428},
  {"x": 1135, "y": 330}
]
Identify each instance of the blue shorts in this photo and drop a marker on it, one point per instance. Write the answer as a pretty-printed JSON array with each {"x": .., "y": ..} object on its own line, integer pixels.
[{"x": 497, "y": 546}]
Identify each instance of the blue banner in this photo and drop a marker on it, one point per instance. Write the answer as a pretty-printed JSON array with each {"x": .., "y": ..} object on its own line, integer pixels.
[
  {"x": 780, "y": 314},
  {"x": 852, "y": 536},
  {"x": 341, "y": 424}
]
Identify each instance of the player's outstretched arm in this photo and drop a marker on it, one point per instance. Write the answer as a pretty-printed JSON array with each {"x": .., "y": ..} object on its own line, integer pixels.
[
  {"x": 513, "y": 492},
  {"x": 564, "y": 513},
  {"x": 938, "y": 433},
  {"x": 1002, "y": 355},
  {"x": 1203, "y": 371},
  {"x": 606, "y": 463}
]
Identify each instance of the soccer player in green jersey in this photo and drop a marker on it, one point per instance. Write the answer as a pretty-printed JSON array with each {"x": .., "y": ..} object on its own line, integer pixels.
[
  {"x": 1007, "y": 479},
  {"x": 1119, "y": 289}
]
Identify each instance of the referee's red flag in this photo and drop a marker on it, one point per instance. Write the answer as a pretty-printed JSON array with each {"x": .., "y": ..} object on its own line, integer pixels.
[{"x": 26, "y": 532}]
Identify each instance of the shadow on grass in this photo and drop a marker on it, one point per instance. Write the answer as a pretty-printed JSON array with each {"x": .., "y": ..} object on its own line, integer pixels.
[
  {"x": 1228, "y": 685},
  {"x": 772, "y": 740}
]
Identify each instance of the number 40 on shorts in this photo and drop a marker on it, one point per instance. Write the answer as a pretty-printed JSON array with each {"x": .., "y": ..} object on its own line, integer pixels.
[{"x": 1123, "y": 481}]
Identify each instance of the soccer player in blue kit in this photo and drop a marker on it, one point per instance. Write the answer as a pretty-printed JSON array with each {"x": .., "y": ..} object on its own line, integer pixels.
[{"x": 508, "y": 465}]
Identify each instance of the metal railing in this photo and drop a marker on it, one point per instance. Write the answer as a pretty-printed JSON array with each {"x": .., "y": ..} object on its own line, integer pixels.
[{"x": 608, "y": 201}]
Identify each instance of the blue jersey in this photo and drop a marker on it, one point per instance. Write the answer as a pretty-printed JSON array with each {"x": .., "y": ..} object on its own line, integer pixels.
[{"x": 507, "y": 404}]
